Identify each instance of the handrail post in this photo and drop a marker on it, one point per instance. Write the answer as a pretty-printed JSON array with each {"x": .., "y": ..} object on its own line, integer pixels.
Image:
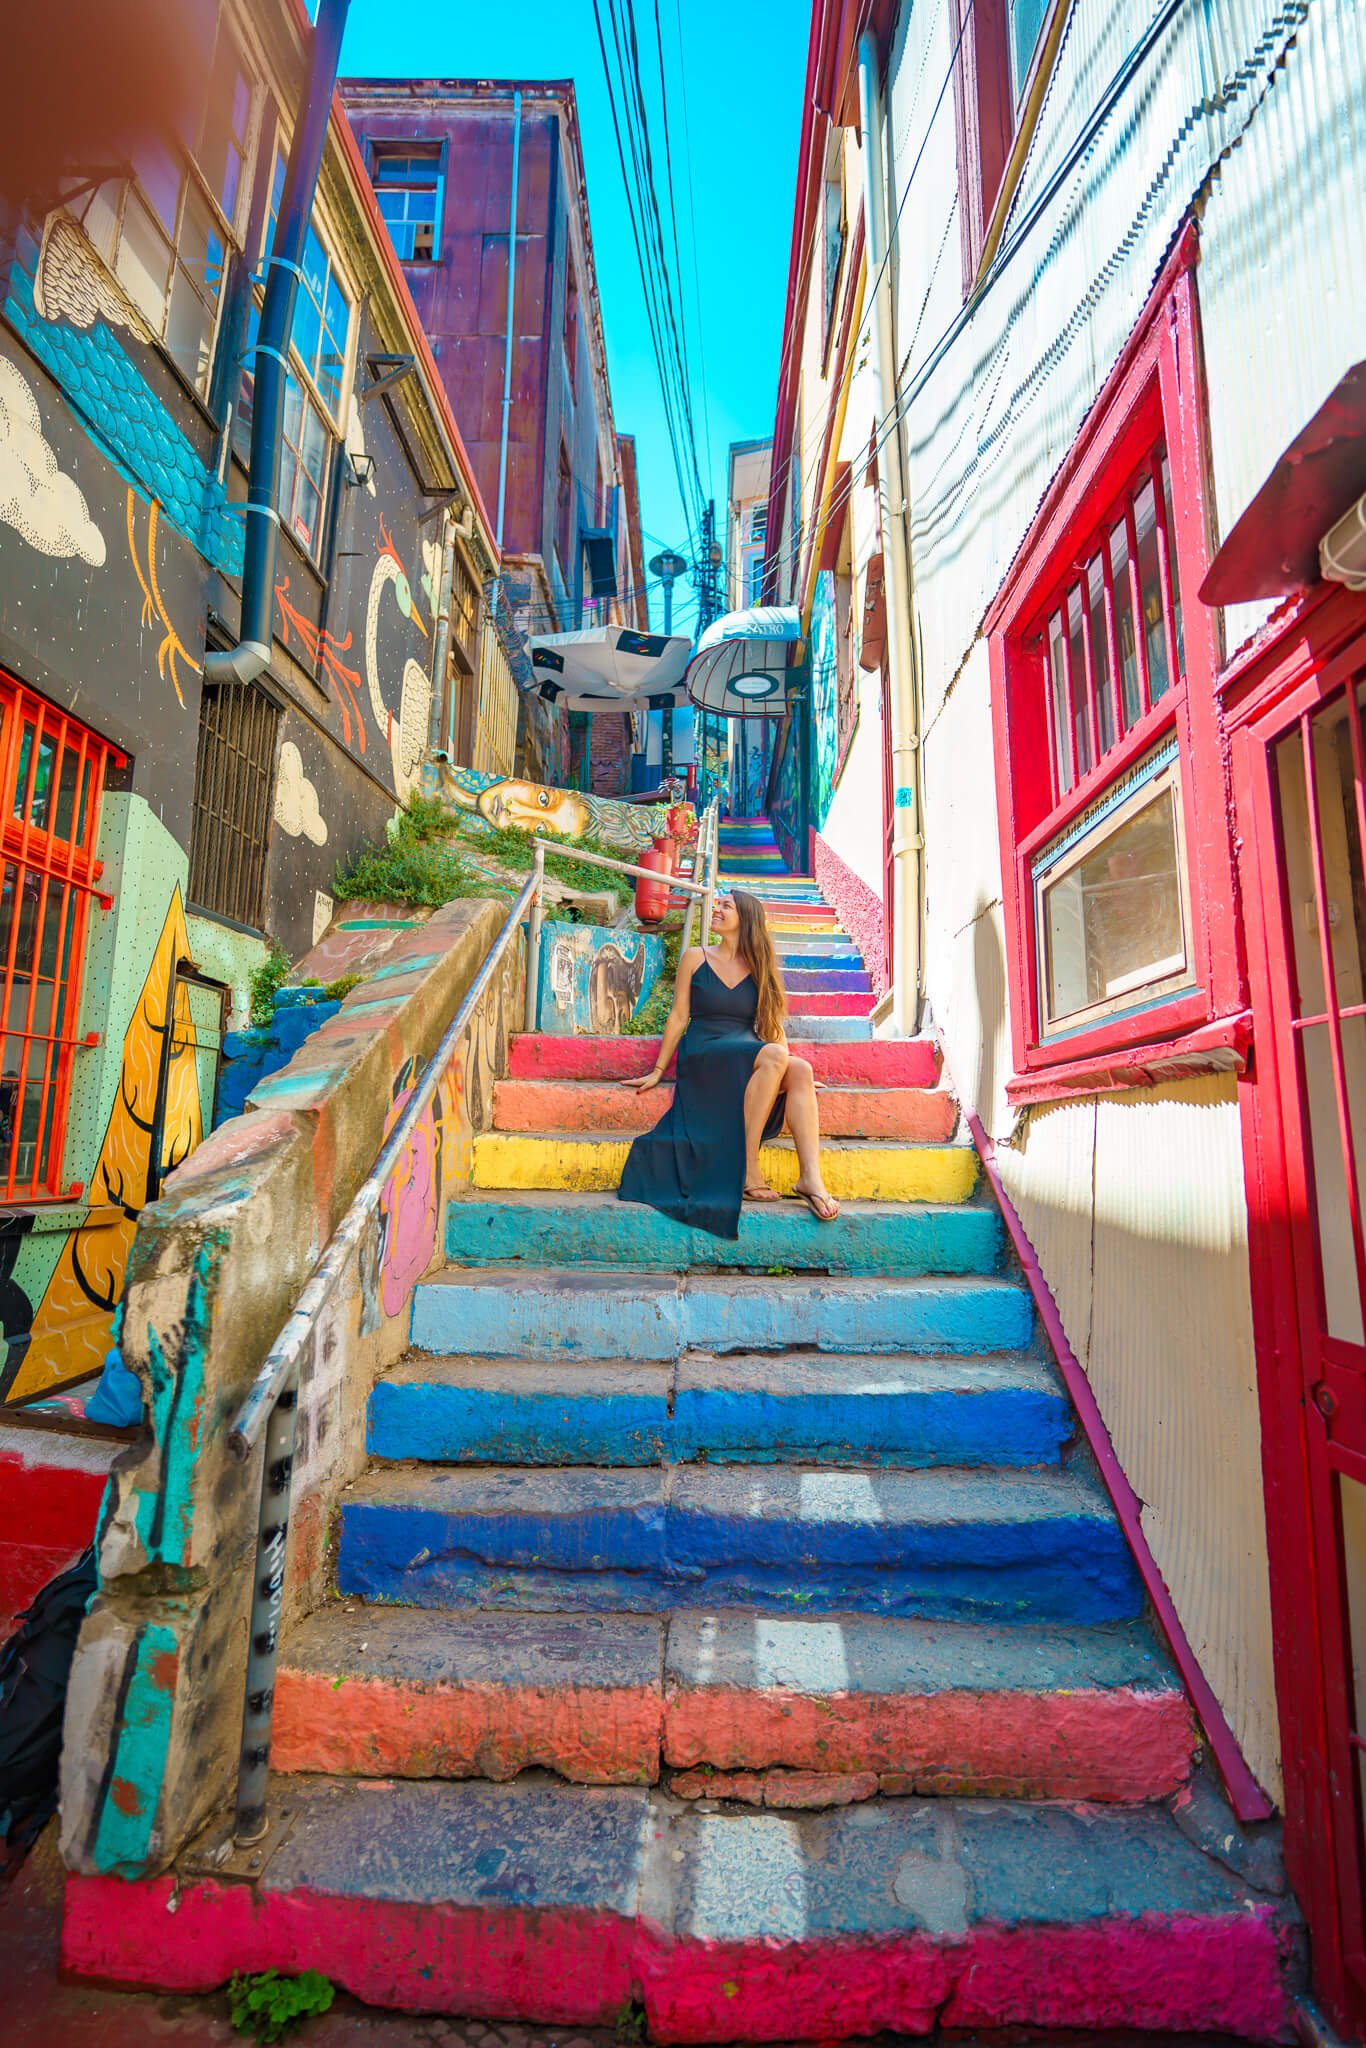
[
  {"x": 263, "y": 1640},
  {"x": 533, "y": 942},
  {"x": 709, "y": 876}
]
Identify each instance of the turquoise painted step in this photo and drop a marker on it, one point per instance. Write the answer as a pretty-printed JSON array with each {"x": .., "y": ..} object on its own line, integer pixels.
[
  {"x": 517, "y": 1312},
  {"x": 953, "y": 1545},
  {"x": 561, "y": 1229},
  {"x": 833, "y": 1030},
  {"x": 799, "y": 1408}
]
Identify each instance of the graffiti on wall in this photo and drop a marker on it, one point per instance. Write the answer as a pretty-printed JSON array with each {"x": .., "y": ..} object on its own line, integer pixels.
[
  {"x": 824, "y": 696},
  {"x": 171, "y": 649},
  {"x": 594, "y": 979},
  {"x": 46, "y": 507},
  {"x": 501, "y": 800},
  {"x": 297, "y": 810},
  {"x": 157, "y": 1119}
]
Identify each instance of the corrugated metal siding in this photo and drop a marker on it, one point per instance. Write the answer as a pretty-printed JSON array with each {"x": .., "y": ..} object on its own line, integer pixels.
[
  {"x": 1134, "y": 1203},
  {"x": 1004, "y": 405}
]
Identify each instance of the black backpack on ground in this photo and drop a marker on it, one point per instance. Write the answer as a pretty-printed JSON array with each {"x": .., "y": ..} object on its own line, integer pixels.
[{"x": 35, "y": 1665}]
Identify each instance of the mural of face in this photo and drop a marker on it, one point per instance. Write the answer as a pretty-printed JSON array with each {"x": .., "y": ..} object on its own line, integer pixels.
[{"x": 531, "y": 808}]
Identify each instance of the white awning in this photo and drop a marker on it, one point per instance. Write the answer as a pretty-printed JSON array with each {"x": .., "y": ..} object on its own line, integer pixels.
[
  {"x": 740, "y": 667},
  {"x": 610, "y": 668}
]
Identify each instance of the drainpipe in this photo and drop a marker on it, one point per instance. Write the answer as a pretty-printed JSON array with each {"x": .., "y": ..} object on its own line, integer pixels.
[
  {"x": 512, "y": 301},
  {"x": 441, "y": 633},
  {"x": 907, "y": 836},
  {"x": 251, "y": 656}
]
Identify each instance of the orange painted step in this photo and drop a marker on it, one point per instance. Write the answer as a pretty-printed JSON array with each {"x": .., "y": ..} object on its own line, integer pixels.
[{"x": 915, "y": 1115}]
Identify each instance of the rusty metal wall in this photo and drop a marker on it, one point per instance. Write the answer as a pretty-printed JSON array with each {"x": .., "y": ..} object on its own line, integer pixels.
[{"x": 1135, "y": 1205}]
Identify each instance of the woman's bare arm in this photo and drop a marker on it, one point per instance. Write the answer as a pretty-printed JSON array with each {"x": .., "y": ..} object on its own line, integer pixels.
[{"x": 677, "y": 1024}]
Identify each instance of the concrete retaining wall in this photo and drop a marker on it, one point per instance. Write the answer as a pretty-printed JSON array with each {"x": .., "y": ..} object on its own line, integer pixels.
[{"x": 154, "y": 1711}]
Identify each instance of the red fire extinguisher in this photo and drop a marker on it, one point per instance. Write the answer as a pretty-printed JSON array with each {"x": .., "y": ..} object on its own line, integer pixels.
[{"x": 652, "y": 898}]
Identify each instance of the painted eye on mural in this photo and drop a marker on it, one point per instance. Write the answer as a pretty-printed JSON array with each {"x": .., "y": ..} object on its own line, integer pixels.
[{"x": 543, "y": 799}]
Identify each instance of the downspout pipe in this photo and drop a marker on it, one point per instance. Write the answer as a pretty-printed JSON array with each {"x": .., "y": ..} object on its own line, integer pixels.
[
  {"x": 441, "y": 635},
  {"x": 512, "y": 304},
  {"x": 908, "y": 840},
  {"x": 251, "y": 656}
]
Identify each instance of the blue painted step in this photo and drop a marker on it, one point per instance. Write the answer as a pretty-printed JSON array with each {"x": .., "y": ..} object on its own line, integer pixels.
[
  {"x": 515, "y": 1312},
  {"x": 949, "y": 1545},
  {"x": 559, "y": 1229},
  {"x": 797, "y": 1408}
]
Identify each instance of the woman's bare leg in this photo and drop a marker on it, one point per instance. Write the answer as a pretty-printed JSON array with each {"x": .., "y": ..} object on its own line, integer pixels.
[
  {"x": 760, "y": 1096},
  {"x": 804, "y": 1122}
]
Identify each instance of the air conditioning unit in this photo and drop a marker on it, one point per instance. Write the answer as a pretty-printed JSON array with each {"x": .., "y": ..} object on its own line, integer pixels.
[{"x": 1342, "y": 551}]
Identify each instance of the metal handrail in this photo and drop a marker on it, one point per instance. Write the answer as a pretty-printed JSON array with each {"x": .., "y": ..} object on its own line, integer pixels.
[{"x": 271, "y": 1407}]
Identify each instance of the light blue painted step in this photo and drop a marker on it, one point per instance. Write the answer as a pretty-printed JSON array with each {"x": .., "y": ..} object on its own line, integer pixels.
[
  {"x": 943, "y": 1545},
  {"x": 517, "y": 1312},
  {"x": 796, "y": 1408},
  {"x": 554, "y": 1228},
  {"x": 832, "y": 1030}
]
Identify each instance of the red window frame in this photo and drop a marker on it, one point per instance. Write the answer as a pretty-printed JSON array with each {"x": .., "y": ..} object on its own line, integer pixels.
[
  {"x": 52, "y": 772},
  {"x": 987, "y": 112},
  {"x": 1152, "y": 400}
]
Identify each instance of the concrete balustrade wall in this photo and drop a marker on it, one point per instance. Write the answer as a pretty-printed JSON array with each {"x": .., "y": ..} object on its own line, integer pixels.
[{"x": 155, "y": 1704}]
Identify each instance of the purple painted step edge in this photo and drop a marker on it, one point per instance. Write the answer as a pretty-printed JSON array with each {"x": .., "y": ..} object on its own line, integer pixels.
[{"x": 1248, "y": 1800}]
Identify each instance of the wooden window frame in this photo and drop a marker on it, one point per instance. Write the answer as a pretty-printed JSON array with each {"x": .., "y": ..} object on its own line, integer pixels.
[
  {"x": 418, "y": 150},
  {"x": 1146, "y": 402},
  {"x": 42, "y": 861}
]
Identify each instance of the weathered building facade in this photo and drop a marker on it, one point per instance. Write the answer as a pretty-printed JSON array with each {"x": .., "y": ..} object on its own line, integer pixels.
[
  {"x": 165, "y": 826},
  {"x": 483, "y": 187},
  {"x": 1070, "y": 397}
]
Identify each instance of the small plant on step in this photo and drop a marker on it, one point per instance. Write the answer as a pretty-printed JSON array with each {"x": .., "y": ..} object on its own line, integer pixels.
[
  {"x": 268, "y": 2006},
  {"x": 631, "y": 2024},
  {"x": 265, "y": 981}
]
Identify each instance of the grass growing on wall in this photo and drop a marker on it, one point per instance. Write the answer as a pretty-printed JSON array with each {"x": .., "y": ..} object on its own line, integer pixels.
[
  {"x": 431, "y": 858},
  {"x": 654, "y": 1016}
]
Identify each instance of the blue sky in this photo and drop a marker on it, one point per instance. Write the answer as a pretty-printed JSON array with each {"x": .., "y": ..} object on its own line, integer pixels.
[{"x": 744, "y": 64}]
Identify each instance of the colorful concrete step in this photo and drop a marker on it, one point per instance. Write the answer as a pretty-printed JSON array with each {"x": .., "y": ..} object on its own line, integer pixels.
[
  {"x": 854, "y": 1169},
  {"x": 1039, "y": 1545},
  {"x": 803, "y": 1408},
  {"x": 764, "y": 1708},
  {"x": 887, "y": 1063},
  {"x": 923, "y": 1116},
  {"x": 824, "y": 980},
  {"x": 833, "y": 1003},
  {"x": 835, "y": 1030},
  {"x": 519, "y": 1312},
  {"x": 901, "y": 1239}
]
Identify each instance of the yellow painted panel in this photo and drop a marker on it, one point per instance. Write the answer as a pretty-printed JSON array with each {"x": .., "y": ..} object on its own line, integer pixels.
[{"x": 869, "y": 1173}]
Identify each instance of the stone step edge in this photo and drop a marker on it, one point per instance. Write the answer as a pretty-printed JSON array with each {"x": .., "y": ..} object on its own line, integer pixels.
[
  {"x": 707, "y": 1940},
  {"x": 774, "y": 1746}
]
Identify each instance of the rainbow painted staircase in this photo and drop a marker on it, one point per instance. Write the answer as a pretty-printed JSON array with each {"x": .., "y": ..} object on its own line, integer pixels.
[{"x": 738, "y": 1632}]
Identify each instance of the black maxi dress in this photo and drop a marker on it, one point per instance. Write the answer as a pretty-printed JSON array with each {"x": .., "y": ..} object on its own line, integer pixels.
[{"x": 692, "y": 1164}]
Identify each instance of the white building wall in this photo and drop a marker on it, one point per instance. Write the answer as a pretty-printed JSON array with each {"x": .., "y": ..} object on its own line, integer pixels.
[{"x": 1253, "y": 113}]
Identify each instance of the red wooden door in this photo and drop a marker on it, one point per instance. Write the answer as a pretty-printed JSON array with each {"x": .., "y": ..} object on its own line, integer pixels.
[{"x": 1302, "y": 779}]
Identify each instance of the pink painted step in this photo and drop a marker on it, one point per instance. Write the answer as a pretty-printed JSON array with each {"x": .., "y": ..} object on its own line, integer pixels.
[
  {"x": 919, "y": 1116},
  {"x": 842, "y": 1003},
  {"x": 868, "y": 1063}
]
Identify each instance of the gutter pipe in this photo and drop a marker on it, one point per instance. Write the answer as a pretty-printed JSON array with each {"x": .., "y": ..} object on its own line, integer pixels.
[
  {"x": 512, "y": 302},
  {"x": 251, "y": 656},
  {"x": 441, "y": 633},
  {"x": 908, "y": 840}
]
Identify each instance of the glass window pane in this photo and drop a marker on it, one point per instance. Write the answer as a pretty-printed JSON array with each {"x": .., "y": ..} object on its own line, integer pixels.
[
  {"x": 66, "y": 793},
  {"x": 1171, "y": 564},
  {"x": 307, "y": 510},
  {"x": 143, "y": 262},
  {"x": 1124, "y": 624},
  {"x": 289, "y": 478},
  {"x": 1113, "y": 920},
  {"x": 294, "y": 409},
  {"x": 1100, "y": 652},
  {"x": 189, "y": 331},
  {"x": 1081, "y": 723},
  {"x": 313, "y": 447},
  {"x": 308, "y": 330},
  {"x": 160, "y": 175},
  {"x": 315, "y": 266},
  {"x": 1026, "y": 20},
  {"x": 1150, "y": 592},
  {"x": 1062, "y": 717}
]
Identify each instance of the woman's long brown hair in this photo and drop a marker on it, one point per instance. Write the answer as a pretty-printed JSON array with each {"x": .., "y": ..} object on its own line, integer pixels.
[{"x": 755, "y": 947}]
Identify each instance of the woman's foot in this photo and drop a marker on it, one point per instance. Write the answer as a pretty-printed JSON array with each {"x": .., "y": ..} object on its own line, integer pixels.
[
  {"x": 818, "y": 1200},
  {"x": 757, "y": 1189}
]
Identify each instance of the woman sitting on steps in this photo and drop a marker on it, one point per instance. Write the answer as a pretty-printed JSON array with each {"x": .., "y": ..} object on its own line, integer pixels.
[{"x": 736, "y": 1083}]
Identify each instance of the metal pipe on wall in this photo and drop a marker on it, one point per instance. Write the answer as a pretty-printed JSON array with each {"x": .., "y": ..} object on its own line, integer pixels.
[
  {"x": 908, "y": 841},
  {"x": 512, "y": 302},
  {"x": 441, "y": 633}
]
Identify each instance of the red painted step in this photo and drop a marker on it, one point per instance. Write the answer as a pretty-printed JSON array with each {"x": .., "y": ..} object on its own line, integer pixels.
[
  {"x": 867, "y": 1063},
  {"x": 916, "y": 1116},
  {"x": 842, "y": 1003}
]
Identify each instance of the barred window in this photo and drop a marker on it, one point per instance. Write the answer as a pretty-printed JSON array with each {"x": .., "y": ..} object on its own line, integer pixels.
[
  {"x": 233, "y": 785},
  {"x": 51, "y": 781}
]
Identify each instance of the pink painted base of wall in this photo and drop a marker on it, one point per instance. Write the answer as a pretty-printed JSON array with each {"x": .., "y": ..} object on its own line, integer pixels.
[
  {"x": 860, "y": 909},
  {"x": 1166, "y": 1973}
]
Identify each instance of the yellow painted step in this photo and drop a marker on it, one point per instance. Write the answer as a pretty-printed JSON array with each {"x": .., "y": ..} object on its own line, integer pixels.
[{"x": 853, "y": 1173}]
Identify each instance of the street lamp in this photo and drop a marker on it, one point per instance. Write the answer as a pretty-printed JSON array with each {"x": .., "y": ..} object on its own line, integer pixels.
[{"x": 668, "y": 567}]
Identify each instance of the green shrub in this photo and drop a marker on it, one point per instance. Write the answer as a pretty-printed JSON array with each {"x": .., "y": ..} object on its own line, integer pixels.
[
  {"x": 269, "y": 2006},
  {"x": 265, "y": 980}
]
